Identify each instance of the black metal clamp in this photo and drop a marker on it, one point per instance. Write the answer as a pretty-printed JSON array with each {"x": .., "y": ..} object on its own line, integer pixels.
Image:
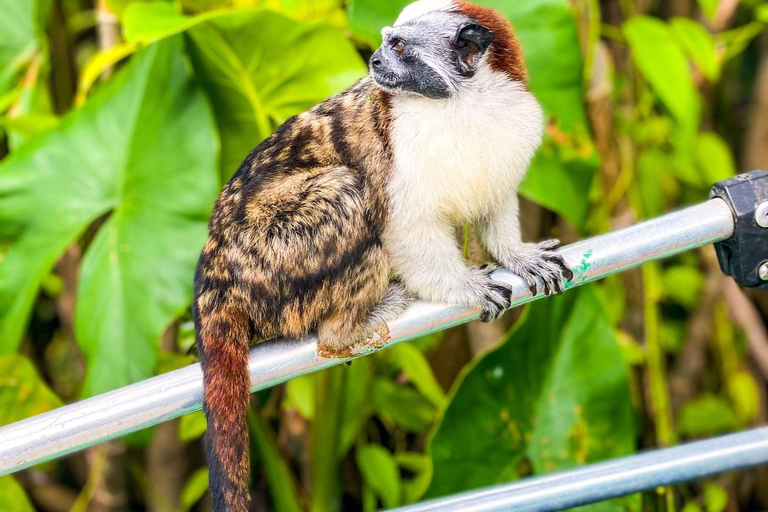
[{"x": 744, "y": 256}]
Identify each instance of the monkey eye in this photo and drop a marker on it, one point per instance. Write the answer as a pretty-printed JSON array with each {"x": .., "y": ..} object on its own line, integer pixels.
[{"x": 399, "y": 46}]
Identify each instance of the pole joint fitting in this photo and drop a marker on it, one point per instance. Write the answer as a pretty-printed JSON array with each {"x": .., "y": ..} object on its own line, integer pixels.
[{"x": 744, "y": 256}]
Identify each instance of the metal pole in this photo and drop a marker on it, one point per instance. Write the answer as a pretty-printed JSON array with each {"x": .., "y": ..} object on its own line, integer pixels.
[
  {"x": 82, "y": 424},
  {"x": 618, "y": 477}
]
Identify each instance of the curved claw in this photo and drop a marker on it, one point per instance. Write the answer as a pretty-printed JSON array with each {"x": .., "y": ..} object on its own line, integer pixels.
[
  {"x": 497, "y": 301},
  {"x": 560, "y": 262}
]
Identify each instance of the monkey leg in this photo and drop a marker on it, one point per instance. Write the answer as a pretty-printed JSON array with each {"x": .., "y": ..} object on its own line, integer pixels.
[
  {"x": 538, "y": 264},
  {"x": 340, "y": 333},
  {"x": 348, "y": 328},
  {"x": 394, "y": 303}
]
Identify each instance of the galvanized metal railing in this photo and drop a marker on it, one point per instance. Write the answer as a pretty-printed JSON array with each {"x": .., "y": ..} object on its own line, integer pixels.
[
  {"x": 618, "y": 477},
  {"x": 82, "y": 424}
]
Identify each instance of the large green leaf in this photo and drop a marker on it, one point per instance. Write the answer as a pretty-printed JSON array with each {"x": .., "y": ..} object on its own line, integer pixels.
[
  {"x": 12, "y": 496},
  {"x": 380, "y": 473},
  {"x": 699, "y": 44},
  {"x": 368, "y": 17},
  {"x": 195, "y": 488},
  {"x": 554, "y": 395},
  {"x": 149, "y": 22},
  {"x": 255, "y": 84},
  {"x": 22, "y": 392},
  {"x": 141, "y": 156},
  {"x": 663, "y": 64},
  {"x": 18, "y": 40},
  {"x": 548, "y": 33},
  {"x": 707, "y": 416}
]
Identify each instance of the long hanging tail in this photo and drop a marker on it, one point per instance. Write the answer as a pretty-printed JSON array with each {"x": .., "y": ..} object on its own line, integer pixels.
[{"x": 222, "y": 340}]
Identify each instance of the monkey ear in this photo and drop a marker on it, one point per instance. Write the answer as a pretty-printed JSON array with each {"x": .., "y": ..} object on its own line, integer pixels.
[{"x": 472, "y": 40}]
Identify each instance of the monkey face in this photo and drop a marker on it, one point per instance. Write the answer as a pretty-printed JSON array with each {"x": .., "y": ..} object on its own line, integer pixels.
[{"x": 432, "y": 49}]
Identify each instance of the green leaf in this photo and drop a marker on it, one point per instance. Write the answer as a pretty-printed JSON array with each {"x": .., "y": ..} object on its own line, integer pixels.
[
  {"x": 18, "y": 39},
  {"x": 554, "y": 395},
  {"x": 150, "y": 22},
  {"x": 282, "y": 486},
  {"x": 255, "y": 85},
  {"x": 653, "y": 166},
  {"x": 713, "y": 158},
  {"x": 380, "y": 473},
  {"x": 169, "y": 361},
  {"x": 29, "y": 125},
  {"x": 548, "y": 33},
  {"x": 682, "y": 284},
  {"x": 100, "y": 62},
  {"x": 192, "y": 426},
  {"x": 663, "y": 64},
  {"x": 324, "y": 439},
  {"x": 368, "y": 17},
  {"x": 140, "y": 155},
  {"x": 671, "y": 335},
  {"x": 738, "y": 39},
  {"x": 708, "y": 7},
  {"x": 761, "y": 12},
  {"x": 698, "y": 44},
  {"x": 300, "y": 394},
  {"x": 326, "y": 11},
  {"x": 420, "y": 466},
  {"x": 415, "y": 366},
  {"x": 715, "y": 497},
  {"x": 705, "y": 416},
  {"x": 403, "y": 405},
  {"x": 744, "y": 393},
  {"x": 632, "y": 352},
  {"x": 195, "y": 488},
  {"x": 356, "y": 408},
  {"x": 22, "y": 392},
  {"x": 203, "y": 5},
  {"x": 12, "y": 496}
]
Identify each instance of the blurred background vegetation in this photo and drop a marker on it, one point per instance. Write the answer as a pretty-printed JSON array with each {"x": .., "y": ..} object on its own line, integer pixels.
[{"x": 121, "y": 119}]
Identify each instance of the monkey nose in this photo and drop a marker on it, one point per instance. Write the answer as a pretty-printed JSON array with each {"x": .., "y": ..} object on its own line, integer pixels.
[{"x": 377, "y": 61}]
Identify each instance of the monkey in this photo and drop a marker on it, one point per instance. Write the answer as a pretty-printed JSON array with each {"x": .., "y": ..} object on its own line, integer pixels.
[{"x": 348, "y": 211}]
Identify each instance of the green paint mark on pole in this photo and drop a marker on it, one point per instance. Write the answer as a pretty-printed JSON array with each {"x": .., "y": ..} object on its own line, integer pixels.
[{"x": 580, "y": 270}]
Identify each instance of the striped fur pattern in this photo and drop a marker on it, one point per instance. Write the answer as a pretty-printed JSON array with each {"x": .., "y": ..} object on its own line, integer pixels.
[
  {"x": 294, "y": 246},
  {"x": 333, "y": 223}
]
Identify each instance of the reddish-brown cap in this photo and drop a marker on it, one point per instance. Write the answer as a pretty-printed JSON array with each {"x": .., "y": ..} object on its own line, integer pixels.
[{"x": 505, "y": 54}]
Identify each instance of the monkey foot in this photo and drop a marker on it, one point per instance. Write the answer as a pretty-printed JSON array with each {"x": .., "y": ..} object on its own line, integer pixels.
[
  {"x": 496, "y": 296},
  {"x": 541, "y": 263}
]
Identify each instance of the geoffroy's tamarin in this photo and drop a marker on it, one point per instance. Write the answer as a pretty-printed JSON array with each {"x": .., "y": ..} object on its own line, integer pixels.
[{"x": 348, "y": 210}]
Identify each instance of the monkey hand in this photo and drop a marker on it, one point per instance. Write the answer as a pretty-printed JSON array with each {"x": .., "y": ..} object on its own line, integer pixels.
[
  {"x": 495, "y": 297},
  {"x": 539, "y": 262}
]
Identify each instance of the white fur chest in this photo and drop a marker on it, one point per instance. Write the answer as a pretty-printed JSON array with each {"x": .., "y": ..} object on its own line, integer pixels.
[{"x": 460, "y": 157}]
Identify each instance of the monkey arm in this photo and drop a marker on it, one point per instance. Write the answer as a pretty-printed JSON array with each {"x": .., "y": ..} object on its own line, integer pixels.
[
  {"x": 535, "y": 263},
  {"x": 426, "y": 257}
]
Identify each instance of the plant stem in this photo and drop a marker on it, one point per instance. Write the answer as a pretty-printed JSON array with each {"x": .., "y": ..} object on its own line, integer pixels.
[
  {"x": 324, "y": 440},
  {"x": 657, "y": 371}
]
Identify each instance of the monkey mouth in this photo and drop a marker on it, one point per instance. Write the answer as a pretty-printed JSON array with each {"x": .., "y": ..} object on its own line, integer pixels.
[{"x": 387, "y": 81}]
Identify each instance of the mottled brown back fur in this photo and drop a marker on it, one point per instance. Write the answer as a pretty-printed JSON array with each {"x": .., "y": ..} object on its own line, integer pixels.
[{"x": 294, "y": 246}]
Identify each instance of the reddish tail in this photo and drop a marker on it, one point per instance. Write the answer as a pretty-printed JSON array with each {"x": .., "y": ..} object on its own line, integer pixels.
[{"x": 222, "y": 341}]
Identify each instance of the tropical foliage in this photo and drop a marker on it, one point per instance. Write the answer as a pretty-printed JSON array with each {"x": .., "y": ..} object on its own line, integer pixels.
[{"x": 121, "y": 119}]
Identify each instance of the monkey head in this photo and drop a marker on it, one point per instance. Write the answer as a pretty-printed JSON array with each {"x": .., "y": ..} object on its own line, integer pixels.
[{"x": 436, "y": 48}]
